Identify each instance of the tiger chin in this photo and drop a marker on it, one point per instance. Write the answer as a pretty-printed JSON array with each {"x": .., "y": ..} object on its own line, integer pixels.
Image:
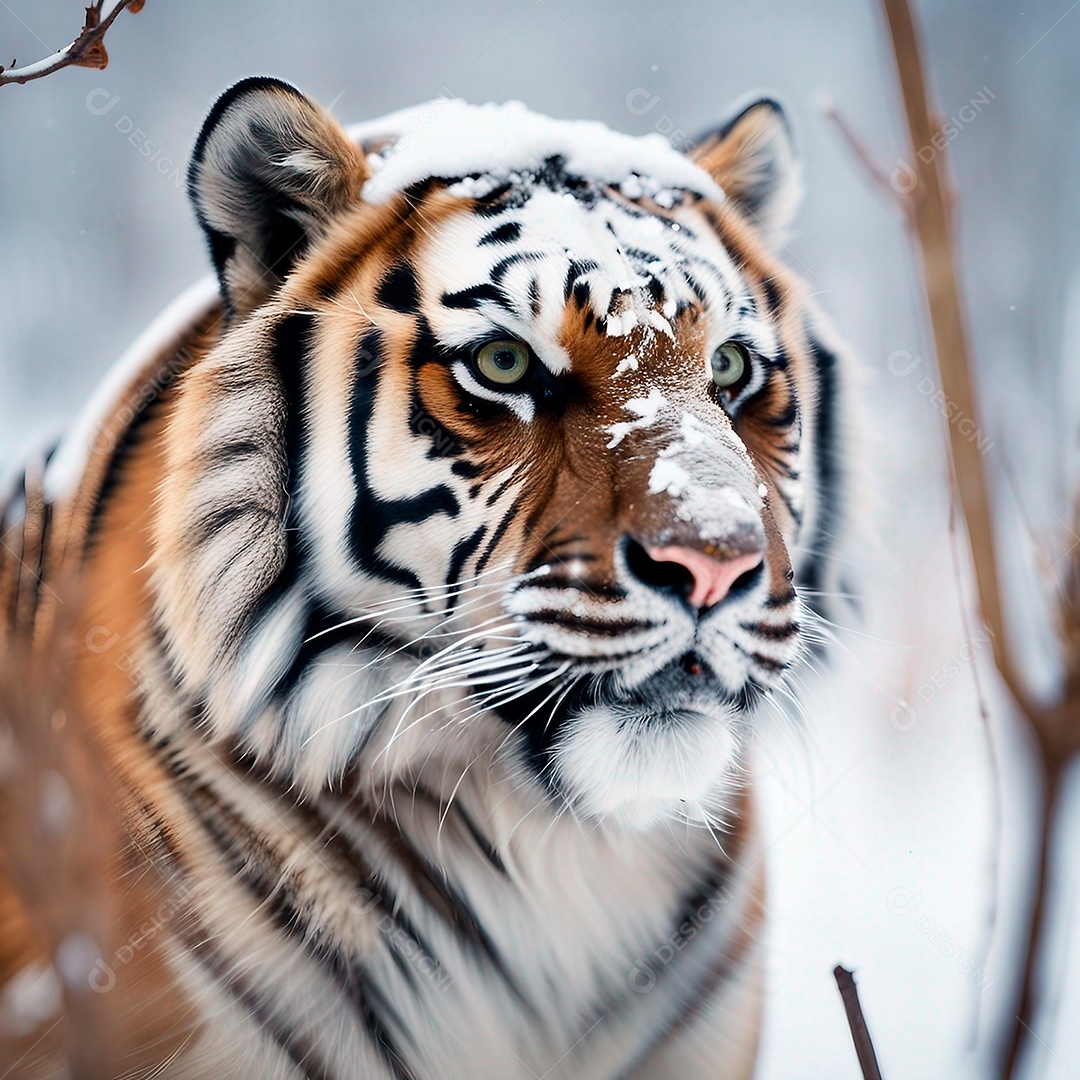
[{"x": 432, "y": 565}]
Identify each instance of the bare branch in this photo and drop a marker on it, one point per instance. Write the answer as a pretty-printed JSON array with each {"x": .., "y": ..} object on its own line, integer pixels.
[
  {"x": 873, "y": 170},
  {"x": 87, "y": 50},
  {"x": 860, "y": 1033},
  {"x": 931, "y": 218},
  {"x": 1056, "y": 728}
]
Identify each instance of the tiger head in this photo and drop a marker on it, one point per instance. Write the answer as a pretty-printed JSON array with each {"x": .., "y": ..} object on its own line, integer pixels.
[{"x": 519, "y": 444}]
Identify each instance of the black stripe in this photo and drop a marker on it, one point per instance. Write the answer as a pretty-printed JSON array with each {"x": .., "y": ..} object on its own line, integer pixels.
[
  {"x": 128, "y": 440},
  {"x": 594, "y": 589},
  {"x": 199, "y": 946},
  {"x": 482, "y": 842},
  {"x": 429, "y": 880},
  {"x": 696, "y": 287},
  {"x": 829, "y": 475},
  {"x": 497, "y": 494},
  {"x": 225, "y": 453},
  {"x": 767, "y": 662},
  {"x": 474, "y": 296},
  {"x": 324, "y": 630},
  {"x": 293, "y": 922},
  {"x": 577, "y": 268},
  {"x": 497, "y": 535},
  {"x": 203, "y": 528},
  {"x": 462, "y": 550},
  {"x": 773, "y": 295},
  {"x": 498, "y": 271},
  {"x": 291, "y": 341},
  {"x": 780, "y": 600},
  {"x": 469, "y": 470},
  {"x": 372, "y": 516},
  {"x": 493, "y": 203},
  {"x": 398, "y": 290},
  {"x": 503, "y": 234},
  {"x": 786, "y": 417},
  {"x": 772, "y": 633},
  {"x": 290, "y": 344},
  {"x": 577, "y": 623}
]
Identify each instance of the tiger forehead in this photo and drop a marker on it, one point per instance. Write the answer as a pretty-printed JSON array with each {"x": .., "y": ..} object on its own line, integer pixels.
[
  {"x": 554, "y": 267},
  {"x": 521, "y": 269}
]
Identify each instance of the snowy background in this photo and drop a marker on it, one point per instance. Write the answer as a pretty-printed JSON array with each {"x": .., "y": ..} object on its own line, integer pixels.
[{"x": 888, "y": 849}]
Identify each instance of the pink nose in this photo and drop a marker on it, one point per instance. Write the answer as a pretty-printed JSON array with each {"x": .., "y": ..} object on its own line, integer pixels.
[{"x": 713, "y": 578}]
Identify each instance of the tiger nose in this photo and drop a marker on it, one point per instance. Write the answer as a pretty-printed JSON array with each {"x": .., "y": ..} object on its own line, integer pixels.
[{"x": 704, "y": 579}]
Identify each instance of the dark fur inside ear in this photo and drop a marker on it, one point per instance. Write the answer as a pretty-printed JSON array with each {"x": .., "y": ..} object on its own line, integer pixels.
[
  {"x": 752, "y": 157},
  {"x": 270, "y": 170}
]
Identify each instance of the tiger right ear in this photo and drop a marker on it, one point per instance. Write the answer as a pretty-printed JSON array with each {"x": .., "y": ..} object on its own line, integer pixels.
[
  {"x": 753, "y": 160},
  {"x": 270, "y": 170}
]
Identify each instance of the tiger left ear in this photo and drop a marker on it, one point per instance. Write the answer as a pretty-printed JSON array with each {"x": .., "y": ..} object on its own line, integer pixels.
[
  {"x": 270, "y": 170},
  {"x": 752, "y": 158}
]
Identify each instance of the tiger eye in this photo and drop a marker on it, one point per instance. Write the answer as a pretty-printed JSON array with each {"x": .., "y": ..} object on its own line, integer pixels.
[
  {"x": 503, "y": 362},
  {"x": 729, "y": 364}
]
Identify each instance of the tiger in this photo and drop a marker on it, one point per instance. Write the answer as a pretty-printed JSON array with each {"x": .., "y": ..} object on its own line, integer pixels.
[{"x": 437, "y": 563}]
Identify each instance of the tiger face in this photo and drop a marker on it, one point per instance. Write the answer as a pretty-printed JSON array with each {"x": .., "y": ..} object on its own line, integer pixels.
[{"x": 519, "y": 446}]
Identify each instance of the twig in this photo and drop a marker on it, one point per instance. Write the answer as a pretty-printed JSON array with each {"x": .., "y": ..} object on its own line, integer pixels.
[
  {"x": 931, "y": 219},
  {"x": 1056, "y": 728},
  {"x": 991, "y": 746},
  {"x": 859, "y": 150},
  {"x": 860, "y": 1034},
  {"x": 87, "y": 50}
]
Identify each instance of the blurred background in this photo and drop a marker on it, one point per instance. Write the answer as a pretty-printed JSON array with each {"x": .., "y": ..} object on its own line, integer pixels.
[{"x": 899, "y": 819}]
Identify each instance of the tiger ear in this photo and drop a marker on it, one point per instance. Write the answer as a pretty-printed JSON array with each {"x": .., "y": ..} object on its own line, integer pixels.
[
  {"x": 752, "y": 158},
  {"x": 270, "y": 170}
]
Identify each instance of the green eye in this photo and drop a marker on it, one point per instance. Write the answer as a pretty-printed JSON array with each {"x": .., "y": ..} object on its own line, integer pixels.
[
  {"x": 503, "y": 362},
  {"x": 729, "y": 364}
]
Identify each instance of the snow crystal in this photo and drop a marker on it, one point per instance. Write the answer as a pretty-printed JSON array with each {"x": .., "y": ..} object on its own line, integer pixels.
[
  {"x": 658, "y": 322},
  {"x": 692, "y": 430},
  {"x": 668, "y": 476},
  {"x": 488, "y": 143},
  {"x": 646, "y": 409},
  {"x": 627, "y": 363}
]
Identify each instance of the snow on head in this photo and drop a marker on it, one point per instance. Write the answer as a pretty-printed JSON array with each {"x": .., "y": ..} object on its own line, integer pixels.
[
  {"x": 645, "y": 409},
  {"x": 485, "y": 145}
]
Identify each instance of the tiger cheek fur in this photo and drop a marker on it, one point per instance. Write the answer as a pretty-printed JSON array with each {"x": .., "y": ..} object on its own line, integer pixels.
[{"x": 467, "y": 530}]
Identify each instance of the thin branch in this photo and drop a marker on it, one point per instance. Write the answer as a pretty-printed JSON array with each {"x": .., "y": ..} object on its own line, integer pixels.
[
  {"x": 87, "y": 50},
  {"x": 931, "y": 218},
  {"x": 1056, "y": 728},
  {"x": 860, "y": 1033},
  {"x": 859, "y": 149}
]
